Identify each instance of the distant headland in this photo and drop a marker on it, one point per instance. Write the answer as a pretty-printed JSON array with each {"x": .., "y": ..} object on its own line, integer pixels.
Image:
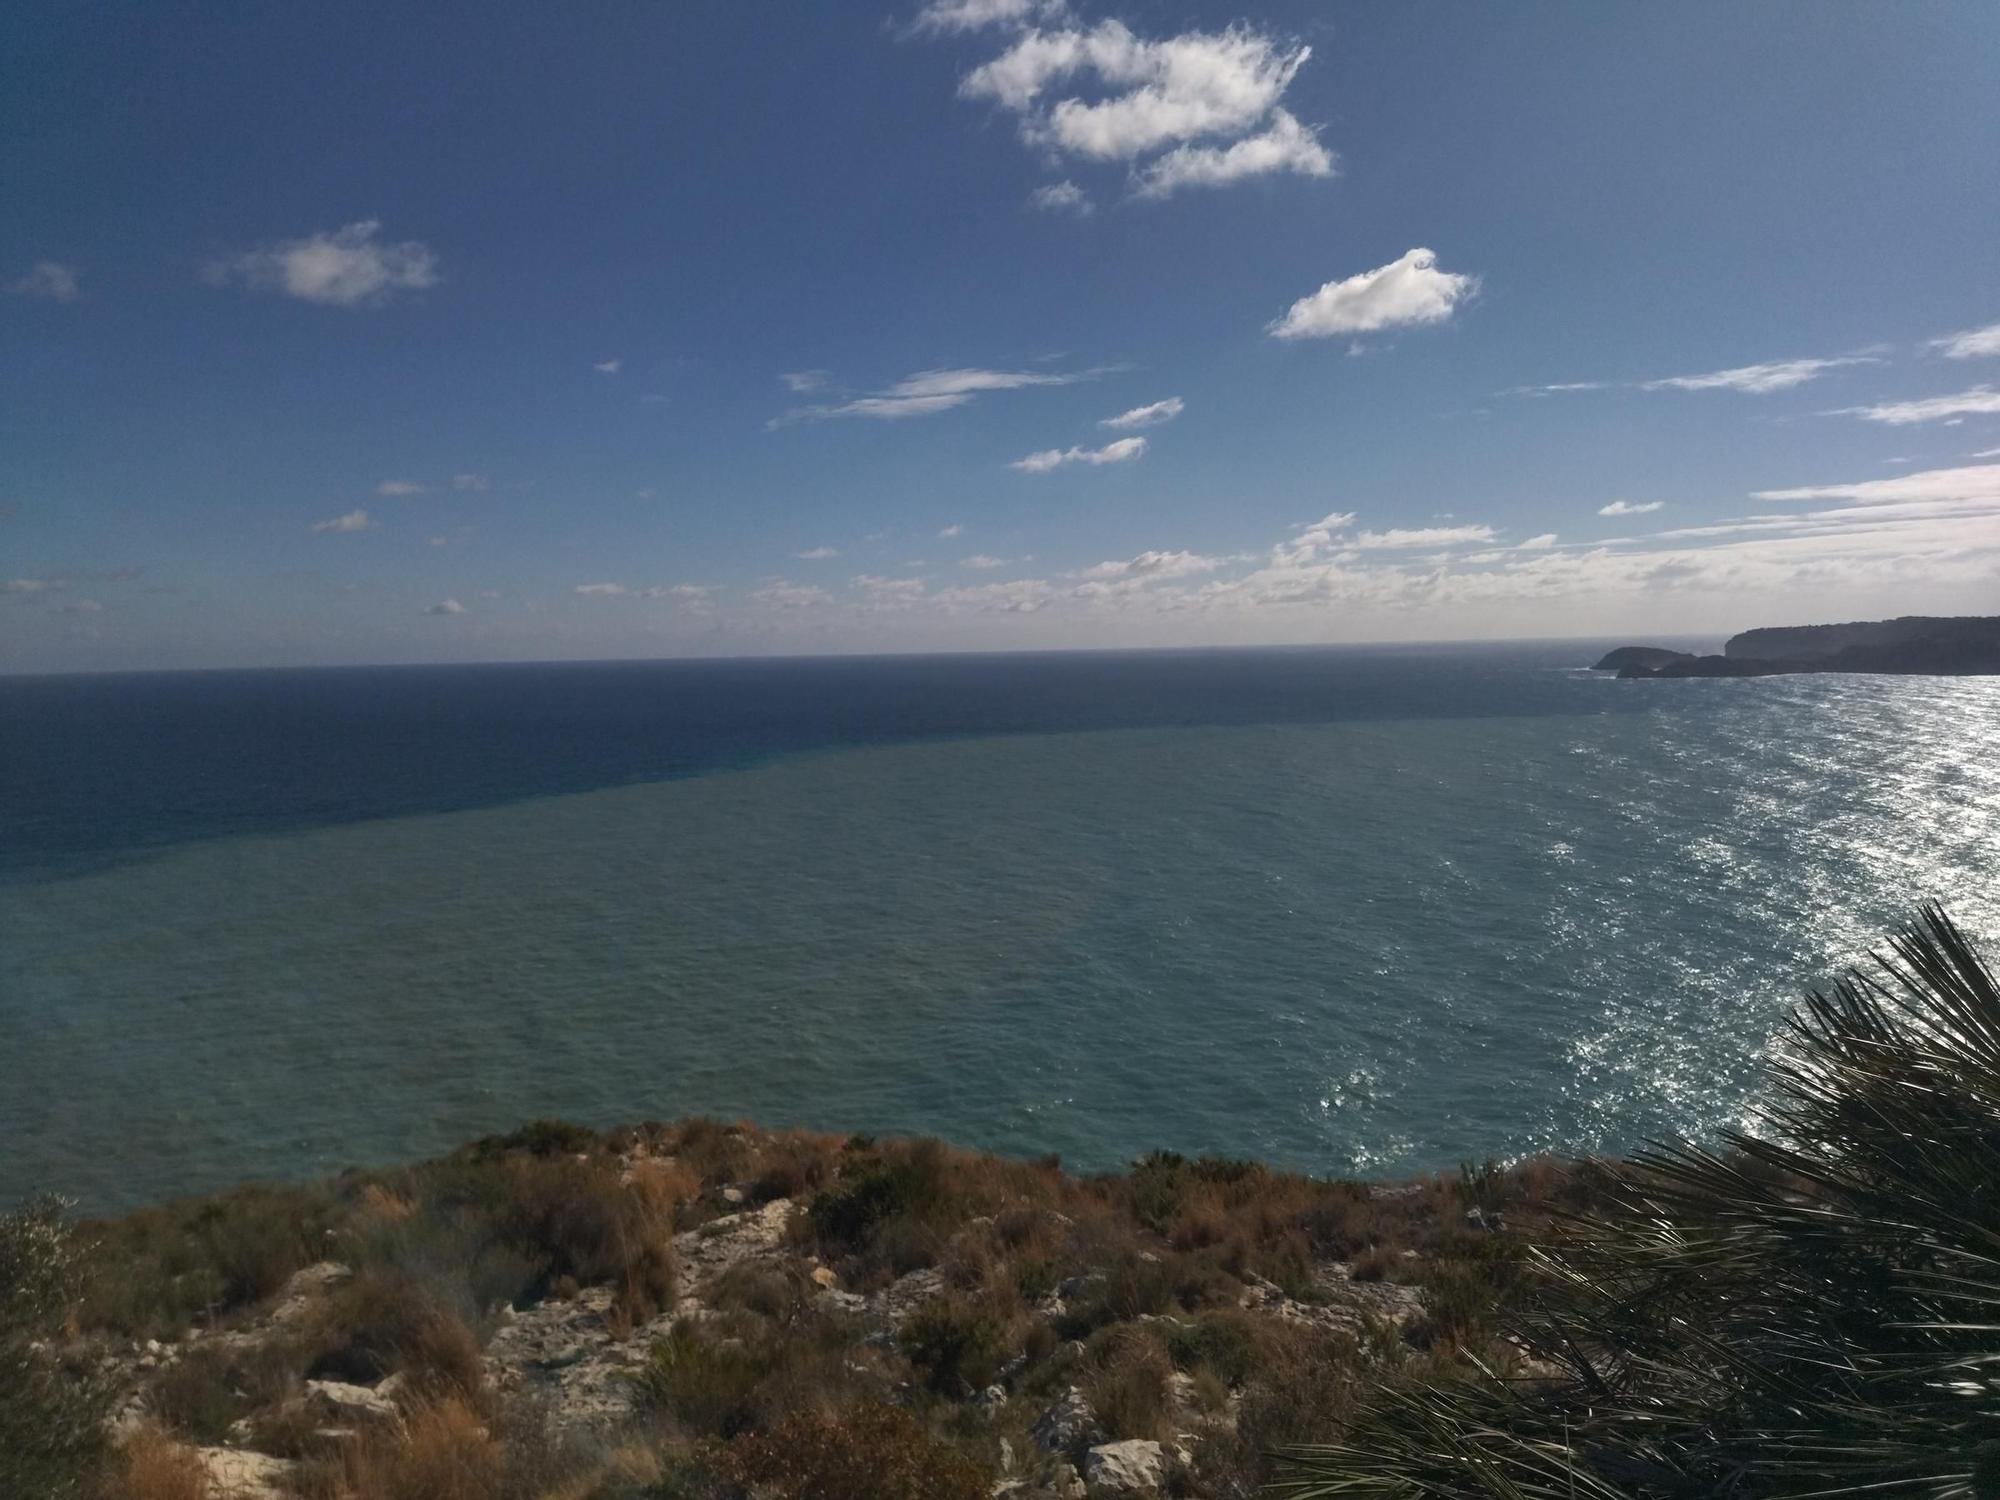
[{"x": 1925, "y": 645}]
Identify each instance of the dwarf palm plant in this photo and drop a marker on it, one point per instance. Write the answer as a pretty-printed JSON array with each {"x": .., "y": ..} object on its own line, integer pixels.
[{"x": 1811, "y": 1309}]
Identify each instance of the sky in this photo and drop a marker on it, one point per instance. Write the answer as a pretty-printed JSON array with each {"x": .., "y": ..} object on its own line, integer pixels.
[{"x": 390, "y": 333}]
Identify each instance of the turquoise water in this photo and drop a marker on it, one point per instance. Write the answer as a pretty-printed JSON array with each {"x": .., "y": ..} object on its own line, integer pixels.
[{"x": 1353, "y": 947}]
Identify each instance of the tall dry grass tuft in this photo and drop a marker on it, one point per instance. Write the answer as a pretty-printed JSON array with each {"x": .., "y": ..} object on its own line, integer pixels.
[
  {"x": 443, "y": 1451},
  {"x": 153, "y": 1466}
]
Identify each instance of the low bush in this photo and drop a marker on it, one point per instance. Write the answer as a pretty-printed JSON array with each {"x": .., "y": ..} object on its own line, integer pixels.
[
  {"x": 51, "y": 1418},
  {"x": 437, "y": 1452},
  {"x": 870, "y": 1452},
  {"x": 955, "y": 1343},
  {"x": 155, "y": 1272},
  {"x": 153, "y": 1466}
]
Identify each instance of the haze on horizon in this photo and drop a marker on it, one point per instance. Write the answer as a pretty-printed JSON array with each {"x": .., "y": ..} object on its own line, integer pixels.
[{"x": 986, "y": 325}]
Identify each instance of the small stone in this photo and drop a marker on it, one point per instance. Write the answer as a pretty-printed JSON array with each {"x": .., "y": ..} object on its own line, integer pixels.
[
  {"x": 732, "y": 1195},
  {"x": 993, "y": 1395},
  {"x": 344, "y": 1403},
  {"x": 823, "y": 1276}
]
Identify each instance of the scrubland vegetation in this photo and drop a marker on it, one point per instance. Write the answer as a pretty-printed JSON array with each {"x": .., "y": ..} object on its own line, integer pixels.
[{"x": 708, "y": 1311}]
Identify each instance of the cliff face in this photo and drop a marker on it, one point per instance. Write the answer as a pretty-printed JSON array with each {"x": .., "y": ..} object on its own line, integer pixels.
[{"x": 1795, "y": 643}]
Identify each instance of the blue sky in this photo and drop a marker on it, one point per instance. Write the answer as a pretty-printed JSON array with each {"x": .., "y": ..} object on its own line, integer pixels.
[{"x": 404, "y": 333}]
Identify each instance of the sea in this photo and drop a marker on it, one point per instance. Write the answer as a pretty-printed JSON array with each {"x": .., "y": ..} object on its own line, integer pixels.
[{"x": 1363, "y": 912}]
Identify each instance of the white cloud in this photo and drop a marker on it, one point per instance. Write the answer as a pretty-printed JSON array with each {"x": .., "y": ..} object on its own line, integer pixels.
[
  {"x": 930, "y": 391},
  {"x": 470, "y": 483},
  {"x": 354, "y": 520},
  {"x": 974, "y": 15},
  {"x": 1022, "y": 596},
  {"x": 1561, "y": 387},
  {"x": 608, "y": 590},
  {"x": 817, "y": 554},
  {"x": 1124, "y": 450},
  {"x": 950, "y": 531},
  {"x": 1758, "y": 380},
  {"x": 446, "y": 607},
  {"x": 689, "y": 595},
  {"x": 801, "y": 382},
  {"x": 1312, "y": 541},
  {"x": 1422, "y": 536},
  {"x": 1150, "y": 566},
  {"x": 1407, "y": 292},
  {"x": 1063, "y": 197},
  {"x": 436, "y": 541},
  {"x": 980, "y": 561},
  {"x": 50, "y": 280},
  {"x": 1980, "y": 401},
  {"x": 1286, "y": 146},
  {"x": 32, "y": 585},
  {"x": 1630, "y": 507},
  {"x": 1979, "y": 482},
  {"x": 394, "y": 487},
  {"x": 1125, "y": 97},
  {"x": 781, "y": 593},
  {"x": 1147, "y": 416},
  {"x": 890, "y": 593},
  {"x": 1987, "y": 453},
  {"x": 1973, "y": 343},
  {"x": 348, "y": 267},
  {"x": 1537, "y": 543},
  {"x": 608, "y": 366}
]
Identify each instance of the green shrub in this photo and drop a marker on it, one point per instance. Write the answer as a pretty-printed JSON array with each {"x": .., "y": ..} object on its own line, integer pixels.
[
  {"x": 957, "y": 1345},
  {"x": 51, "y": 1419},
  {"x": 156, "y": 1271},
  {"x": 708, "y": 1386}
]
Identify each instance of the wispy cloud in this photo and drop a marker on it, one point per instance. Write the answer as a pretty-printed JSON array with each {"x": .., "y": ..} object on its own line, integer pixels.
[
  {"x": 1759, "y": 380},
  {"x": 354, "y": 520},
  {"x": 817, "y": 554},
  {"x": 930, "y": 391},
  {"x": 782, "y": 593},
  {"x": 975, "y": 15},
  {"x": 1537, "y": 543},
  {"x": 1147, "y": 416},
  {"x": 955, "y": 529},
  {"x": 399, "y": 487},
  {"x": 470, "y": 483},
  {"x": 804, "y": 382},
  {"x": 1408, "y": 292},
  {"x": 981, "y": 562},
  {"x": 1398, "y": 538},
  {"x": 608, "y": 366},
  {"x": 446, "y": 607},
  {"x": 1973, "y": 343},
  {"x": 32, "y": 585},
  {"x": 1124, "y": 450},
  {"x": 1063, "y": 197},
  {"x": 1630, "y": 507},
  {"x": 603, "y": 590},
  {"x": 1980, "y": 401},
  {"x": 48, "y": 280},
  {"x": 347, "y": 267}
]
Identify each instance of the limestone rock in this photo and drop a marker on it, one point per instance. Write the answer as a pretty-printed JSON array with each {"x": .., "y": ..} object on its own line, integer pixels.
[
  {"x": 1068, "y": 1425},
  {"x": 337, "y": 1401},
  {"x": 1135, "y": 1467},
  {"x": 235, "y": 1474}
]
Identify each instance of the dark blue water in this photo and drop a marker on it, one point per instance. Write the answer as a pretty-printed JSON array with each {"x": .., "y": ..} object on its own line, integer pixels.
[{"x": 98, "y": 768}]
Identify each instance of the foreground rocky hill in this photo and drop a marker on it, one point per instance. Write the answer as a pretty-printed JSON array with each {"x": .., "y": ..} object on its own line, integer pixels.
[{"x": 715, "y": 1312}]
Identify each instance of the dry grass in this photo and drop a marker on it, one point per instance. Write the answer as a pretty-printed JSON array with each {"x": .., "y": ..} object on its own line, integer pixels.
[
  {"x": 442, "y": 1451},
  {"x": 152, "y": 1466}
]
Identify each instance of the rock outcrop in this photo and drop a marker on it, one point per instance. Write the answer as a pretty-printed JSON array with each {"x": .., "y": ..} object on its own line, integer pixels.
[{"x": 1913, "y": 645}]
